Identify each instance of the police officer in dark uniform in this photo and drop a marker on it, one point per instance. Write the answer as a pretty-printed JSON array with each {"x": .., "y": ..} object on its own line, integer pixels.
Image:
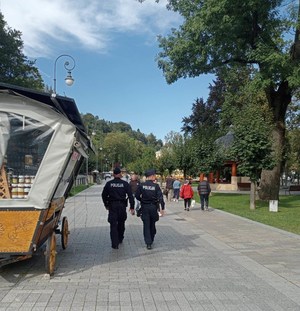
[
  {"x": 150, "y": 194},
  {"x": 115, "y": 196}
]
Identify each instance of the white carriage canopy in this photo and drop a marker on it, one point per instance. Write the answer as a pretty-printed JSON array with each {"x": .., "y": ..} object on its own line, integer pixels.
[{"x": 42, "y": 138}]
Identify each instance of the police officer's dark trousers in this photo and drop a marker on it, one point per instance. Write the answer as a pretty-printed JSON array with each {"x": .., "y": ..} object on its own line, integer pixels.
[
  {"x": 149, "y": 217},
  {"x": 117, "y": 217}
]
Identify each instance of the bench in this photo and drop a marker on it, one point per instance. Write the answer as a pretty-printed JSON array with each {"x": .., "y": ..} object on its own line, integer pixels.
[
  {"x": 244, "y": 185},
  {"x": 292, "y": 188}
]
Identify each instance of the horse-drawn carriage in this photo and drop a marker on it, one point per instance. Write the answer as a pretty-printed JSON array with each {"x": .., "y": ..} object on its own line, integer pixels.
[{"x": 43, "y": 143}]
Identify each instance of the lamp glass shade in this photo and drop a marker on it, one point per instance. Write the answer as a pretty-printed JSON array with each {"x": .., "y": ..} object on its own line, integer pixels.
[{"x": 69, "y": 80}]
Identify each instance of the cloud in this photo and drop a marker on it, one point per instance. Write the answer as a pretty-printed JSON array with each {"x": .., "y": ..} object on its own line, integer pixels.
[{"x": 90, "y": 24}]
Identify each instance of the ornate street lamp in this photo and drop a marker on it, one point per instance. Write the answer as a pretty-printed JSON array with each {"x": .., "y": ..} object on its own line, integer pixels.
[
  {"x": 69, "y": 67},
  {"x": 101, "y": 165},
  {"x": 97, "y": 153}
]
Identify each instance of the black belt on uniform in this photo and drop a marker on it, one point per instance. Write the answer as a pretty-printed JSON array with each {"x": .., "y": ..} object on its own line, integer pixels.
[{"x": 149, "y": 203}]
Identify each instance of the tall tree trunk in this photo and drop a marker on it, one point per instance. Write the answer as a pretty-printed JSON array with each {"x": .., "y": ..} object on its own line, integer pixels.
[
  {"x": 278, "y": 102},
  {"x": 270, "y": 179}
]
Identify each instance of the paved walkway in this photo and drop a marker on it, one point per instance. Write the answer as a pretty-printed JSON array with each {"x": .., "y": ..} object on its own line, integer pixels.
[{"x": 199, "y": 261}]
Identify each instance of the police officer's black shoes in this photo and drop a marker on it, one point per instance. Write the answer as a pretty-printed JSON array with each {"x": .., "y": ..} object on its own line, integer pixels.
[
  {"x": 139, "y": 212},
  {"x": 149, "y": 246},
  {"x": 114, "y": 247}
]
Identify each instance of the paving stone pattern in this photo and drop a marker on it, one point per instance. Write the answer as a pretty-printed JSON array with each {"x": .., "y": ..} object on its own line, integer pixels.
[{"x": 207, "y": 260}]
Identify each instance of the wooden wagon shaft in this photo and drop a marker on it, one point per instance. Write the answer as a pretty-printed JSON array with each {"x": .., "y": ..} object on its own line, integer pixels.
[{"x": 4, "y": 190}]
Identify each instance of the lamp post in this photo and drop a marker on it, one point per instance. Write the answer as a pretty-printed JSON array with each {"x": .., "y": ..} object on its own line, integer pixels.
[
  {"x": 87, "y": 170},
  {"x": 97, "y": 159},
  {"x": 97, "y": 153},
  {"x": 87, "y": 163},
  {"x": 106, "y": 163},
  {"x": 101, "y": 166},
  {"x": 69, "y": 67}
]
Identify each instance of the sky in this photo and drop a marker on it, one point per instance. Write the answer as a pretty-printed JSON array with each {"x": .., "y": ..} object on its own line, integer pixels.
[{"x": 114, "y": 45}]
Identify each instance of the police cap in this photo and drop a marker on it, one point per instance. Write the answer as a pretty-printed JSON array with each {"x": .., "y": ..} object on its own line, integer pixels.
[
  {"x": 150, "y": 173},
  {"x": 117, "y": 171}
]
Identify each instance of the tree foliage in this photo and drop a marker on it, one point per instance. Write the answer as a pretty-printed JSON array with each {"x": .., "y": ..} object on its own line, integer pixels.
[
  {"x": 180, "y": 148},
  {"x": 216, "y": 35},
  {"x": 203, "y": 115},
  {"x": 166, "y": 162},
  {"x": 293, "y": 157},
  {"x": 293, "y": 133},
  {"x": 15, "y": 68},
  {"x": 94, "y": 124},
  {"x": 252, "y": 146},
  {"x": 203, "y": 128},
  {"x": 116, "y": 143},
  {"x": 205, "y": 153},
  {"x": 143, "y": 161}
]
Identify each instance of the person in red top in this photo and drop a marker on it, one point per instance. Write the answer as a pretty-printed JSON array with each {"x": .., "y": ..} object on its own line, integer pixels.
[{"x": 187, "y": 193}]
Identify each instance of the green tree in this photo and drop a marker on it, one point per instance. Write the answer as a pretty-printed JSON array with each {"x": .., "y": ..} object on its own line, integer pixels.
[
  {"x": 293, "y": 158},
  {"x": 142, "y": 162},
  {"x": 200, "y": 117},
  {"x": 138, "y": 135},
  {"x": 181, "y": 153},
  {"x": 205, "y": 153},
  {"x": 252, "y": 146},
  {"x": 15, "y": 68},
  {"x": 203, "y": 126},
  {"x": 217, "y": 34},
  {"x": 166, "y": 162},
  {"x": 121, "y": 127},
  {"x": 206, "y": 114},
  {"x": 152, "y": 141},
  {"x": 293, "y": 136},
  {"x": 292, "y": 149},
  {"x": 119, "y": 147}
]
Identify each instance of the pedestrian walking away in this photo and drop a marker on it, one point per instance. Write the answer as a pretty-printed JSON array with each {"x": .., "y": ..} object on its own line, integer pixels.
[
  {"x": 134, "y": 182},
  {"x": 150, "y": 194},
  {"x": 115, "y": 195},
  {"x": 169, "y": 188},
  {"x": 186, "y": 193},
  {"x": 204, "y": 191},
  {"x": 176, "y": 188}
]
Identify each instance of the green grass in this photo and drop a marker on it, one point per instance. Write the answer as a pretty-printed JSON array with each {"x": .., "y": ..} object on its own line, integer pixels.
[
  {"x": 77, "y": 189},
  {"x": 287, "y": 217}
]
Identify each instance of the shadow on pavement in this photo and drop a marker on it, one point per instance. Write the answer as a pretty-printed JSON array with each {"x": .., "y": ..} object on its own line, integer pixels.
[{"x": 91, "y": 247}]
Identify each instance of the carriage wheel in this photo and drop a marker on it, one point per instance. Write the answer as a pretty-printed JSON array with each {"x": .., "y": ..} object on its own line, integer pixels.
[
  {"x": 64, "y": 233},
  {"x": 50, "y": 254}
]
